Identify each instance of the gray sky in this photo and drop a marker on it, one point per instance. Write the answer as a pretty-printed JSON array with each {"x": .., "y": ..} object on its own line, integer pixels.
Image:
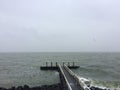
[{"x": 59, "y": 25}]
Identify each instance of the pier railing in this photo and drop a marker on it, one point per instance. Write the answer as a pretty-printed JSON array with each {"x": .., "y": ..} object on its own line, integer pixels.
[{"x": 55, "y": 64}]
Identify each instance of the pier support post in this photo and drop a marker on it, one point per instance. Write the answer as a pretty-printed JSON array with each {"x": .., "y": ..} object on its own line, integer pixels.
[
  {"x": 46, "y": 64},
  {"x": 51, "y": 64},
  {"x": 56, "y": 64},
  {"x": 73, "y": 64},
  {"x": 68, "y": 64}
]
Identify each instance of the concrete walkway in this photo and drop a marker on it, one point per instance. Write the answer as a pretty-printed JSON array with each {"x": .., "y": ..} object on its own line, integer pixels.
[{"x": 71, "y": 80}]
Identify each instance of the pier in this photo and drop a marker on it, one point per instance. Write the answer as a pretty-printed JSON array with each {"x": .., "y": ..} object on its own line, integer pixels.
[{"x": 68, "y": 79}]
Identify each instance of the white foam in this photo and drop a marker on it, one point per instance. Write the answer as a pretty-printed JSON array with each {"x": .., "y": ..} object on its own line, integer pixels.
[
  {"x": 88, "y": 82},
  {"x": 102, "y": 87},
  {"x": 85, "y": 83}
]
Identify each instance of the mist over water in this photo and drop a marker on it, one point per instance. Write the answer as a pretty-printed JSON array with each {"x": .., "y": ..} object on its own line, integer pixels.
[{"x": 24, "y": 68}]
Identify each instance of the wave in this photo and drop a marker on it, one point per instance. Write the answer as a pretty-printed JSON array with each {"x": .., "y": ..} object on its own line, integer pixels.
[
  {"x": 112, "y": 85},
  {"x": 107, "y": 85},
  {"x": 101, "y": 76}
]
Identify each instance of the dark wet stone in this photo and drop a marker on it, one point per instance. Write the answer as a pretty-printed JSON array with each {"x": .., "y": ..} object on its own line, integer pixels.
[
  {"x": 19, "y": 88},
  {"x": 26, "y": 87},
  {"x": 44, "y": 87},
  {"x": 96, "y": 88},
  {"x": 12, "y": 88},
  {"x": 1, "y": 88}
]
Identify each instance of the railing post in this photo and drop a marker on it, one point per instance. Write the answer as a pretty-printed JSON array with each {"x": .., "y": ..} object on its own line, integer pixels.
[{"x": 63, "y": 63}]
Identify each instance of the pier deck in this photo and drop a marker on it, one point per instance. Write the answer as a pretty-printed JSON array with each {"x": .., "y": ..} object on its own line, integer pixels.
[
  {"x": 68, "y": 79},
  {"x": 71, "y": 80}
]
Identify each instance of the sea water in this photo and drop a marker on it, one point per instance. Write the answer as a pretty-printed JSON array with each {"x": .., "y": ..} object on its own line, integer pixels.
[{"x": 103, "y": 69}]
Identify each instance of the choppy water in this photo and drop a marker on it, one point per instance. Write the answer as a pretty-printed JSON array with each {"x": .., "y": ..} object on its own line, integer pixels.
[{"x": 103, "y": 69}]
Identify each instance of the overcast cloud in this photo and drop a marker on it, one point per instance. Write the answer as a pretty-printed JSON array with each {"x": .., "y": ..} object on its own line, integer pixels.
[{"x": 59, "y": 25}]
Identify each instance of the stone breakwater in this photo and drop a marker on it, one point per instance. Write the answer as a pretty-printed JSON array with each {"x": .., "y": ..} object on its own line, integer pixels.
[
  {"x": 45, "y": 87},
  {"x": 26, "y": 87}
]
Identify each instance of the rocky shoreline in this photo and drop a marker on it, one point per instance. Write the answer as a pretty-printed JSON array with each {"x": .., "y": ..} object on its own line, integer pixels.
[{"x": 44, "y": 87}]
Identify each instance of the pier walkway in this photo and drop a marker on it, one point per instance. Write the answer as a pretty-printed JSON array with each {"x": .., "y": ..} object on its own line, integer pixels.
[{"x": 68, "y": 80}]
